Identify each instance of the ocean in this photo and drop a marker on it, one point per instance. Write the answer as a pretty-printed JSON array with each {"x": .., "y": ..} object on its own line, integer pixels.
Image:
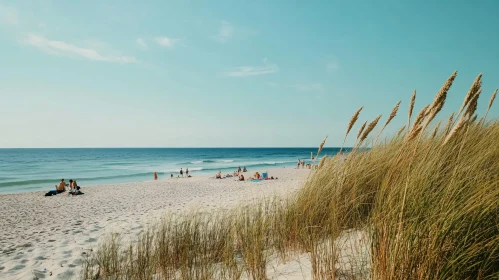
[{"x": 25, "y": 170}]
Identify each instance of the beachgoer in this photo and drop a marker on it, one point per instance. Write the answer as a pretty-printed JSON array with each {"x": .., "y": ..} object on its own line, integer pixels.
[
  {"x": 241, "y": 178},
  {"x": 244, "y": 169},
  {"x": 155, "y": 176},
  {"x": 187, "y": 172},
  {"x": 239, "y": 170},
  {"x": 71, "y": 185},
  {"x": 219, "y": 175},
  {"x": 303, "y": 164},
  {"x": 171, "y": 176},
  {"x": 181, "y": 172},
  {"x": 62, "y": 186},
  {"x": 298, "y": 164}
]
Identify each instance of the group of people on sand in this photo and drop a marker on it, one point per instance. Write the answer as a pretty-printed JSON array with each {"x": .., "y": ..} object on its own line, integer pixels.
[
  {"x": 181, "y": 174},
  {"x": 303, "y": 165},
  {"x": 74, "y": 189},
  {"x": 240, "y": 176}
]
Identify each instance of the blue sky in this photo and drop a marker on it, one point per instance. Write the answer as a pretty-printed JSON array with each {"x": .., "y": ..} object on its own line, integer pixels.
[{"x": 231, "y": 73}]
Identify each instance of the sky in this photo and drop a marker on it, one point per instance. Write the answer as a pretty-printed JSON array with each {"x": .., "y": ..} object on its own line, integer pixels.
[{"x": 230, "y": 73}]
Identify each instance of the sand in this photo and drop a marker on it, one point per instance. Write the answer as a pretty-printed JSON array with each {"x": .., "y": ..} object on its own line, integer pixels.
[{"x": 55, "y": 233}]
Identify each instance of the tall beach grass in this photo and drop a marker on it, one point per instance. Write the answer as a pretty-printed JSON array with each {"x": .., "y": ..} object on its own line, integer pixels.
[{"x": 423, "y": 204}]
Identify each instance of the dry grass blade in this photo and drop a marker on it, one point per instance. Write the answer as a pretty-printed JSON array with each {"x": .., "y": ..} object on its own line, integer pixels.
[
  {"x": 436, "y": 130},
  {"x": 361, "y": 129},
  {"x": 471, "y": 92},
  {"x": 448, "y": 125},
  {"x": 369, "y": 128}
]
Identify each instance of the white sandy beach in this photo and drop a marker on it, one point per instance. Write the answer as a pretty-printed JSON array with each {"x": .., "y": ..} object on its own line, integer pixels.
[{"x": 54, "y": 233}]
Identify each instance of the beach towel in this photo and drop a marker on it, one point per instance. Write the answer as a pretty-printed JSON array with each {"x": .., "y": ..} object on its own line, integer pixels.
[{"x": 256, "y": 181}]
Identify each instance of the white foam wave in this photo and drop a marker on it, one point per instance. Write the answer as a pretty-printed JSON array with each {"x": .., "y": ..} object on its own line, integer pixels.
[
  {"x": 273, "y": 162},
  {"x": 225, "y": 160},
  {"x": 197, "y": 162}
]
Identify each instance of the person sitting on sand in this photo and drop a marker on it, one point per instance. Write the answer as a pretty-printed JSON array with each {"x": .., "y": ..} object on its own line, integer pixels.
[
  {"x": 241, "y": 178},
  {"x": 257, "y": 176},
  {"x": 62, "y": 186},
  {"x": 219, "y": 175},
  {"x": 244, "y": 169}
]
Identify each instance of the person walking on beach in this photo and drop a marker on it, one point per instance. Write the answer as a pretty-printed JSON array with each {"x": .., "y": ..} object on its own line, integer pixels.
[
  {"x": 302, "y": 164},
  {"x": 155, "y": 176},
  {"x": 187, "y": 172},
  {"x": 298, "y": 164},
  {"x": 181, "y": 172}
]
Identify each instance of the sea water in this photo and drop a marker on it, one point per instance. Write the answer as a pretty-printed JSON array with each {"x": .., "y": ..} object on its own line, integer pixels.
[{"x": 23, "y": 170}]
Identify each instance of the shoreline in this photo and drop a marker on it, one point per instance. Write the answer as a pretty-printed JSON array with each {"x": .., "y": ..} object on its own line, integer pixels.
[{"x": 55, "y": 232}]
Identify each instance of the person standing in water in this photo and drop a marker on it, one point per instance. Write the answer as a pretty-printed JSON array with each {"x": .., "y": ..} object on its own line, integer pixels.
[
  {"x": 181, "y": 172},
  {"x": 187, "y": 172},
  {"x": 155, "y": 176},
  {"x": 298, "y": 164}
]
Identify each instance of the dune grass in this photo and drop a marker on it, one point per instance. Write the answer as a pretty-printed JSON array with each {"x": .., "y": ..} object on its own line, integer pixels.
[{"x": 425, "y": 203}]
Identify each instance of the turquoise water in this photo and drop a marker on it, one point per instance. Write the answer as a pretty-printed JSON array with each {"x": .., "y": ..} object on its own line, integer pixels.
[{"x": 23, "y": 170}]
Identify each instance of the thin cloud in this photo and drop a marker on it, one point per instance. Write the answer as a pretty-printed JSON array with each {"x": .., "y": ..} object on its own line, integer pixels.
[
  {"x": 167, "y": 42},
  {"x": 225, "y": 31},
  {"x": 61, "y": 48},
  {"x": 332, "y": 65},
  {"x": 246, "y": 71},
  {"x": 141, "y": 44},
  {"x": 8, "y": 15}
]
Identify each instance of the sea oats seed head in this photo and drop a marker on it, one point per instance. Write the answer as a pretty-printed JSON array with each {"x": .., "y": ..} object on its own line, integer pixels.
[
  {"x": 492, "y": 99},
  {"x": 439, "y": 100},
  {"x": 401, "y": 130},
  {"x": 473, "y": 104},
  {"x": 369, "y": 128},
  {"x": 393, "y": 113},
  {"x": 322, "y": 145},
  {"x": 361, "y": 129},
  {"x": 354, "y": 119},
  {"x": 411, "y": 106},
  {"x": 414, "y": 133},
  {"x": 477, "y": 83},
  {"x": 322, "y": 162},
  {"x": 420, "y": 117},
  {"x": 460, "y": 124}
]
